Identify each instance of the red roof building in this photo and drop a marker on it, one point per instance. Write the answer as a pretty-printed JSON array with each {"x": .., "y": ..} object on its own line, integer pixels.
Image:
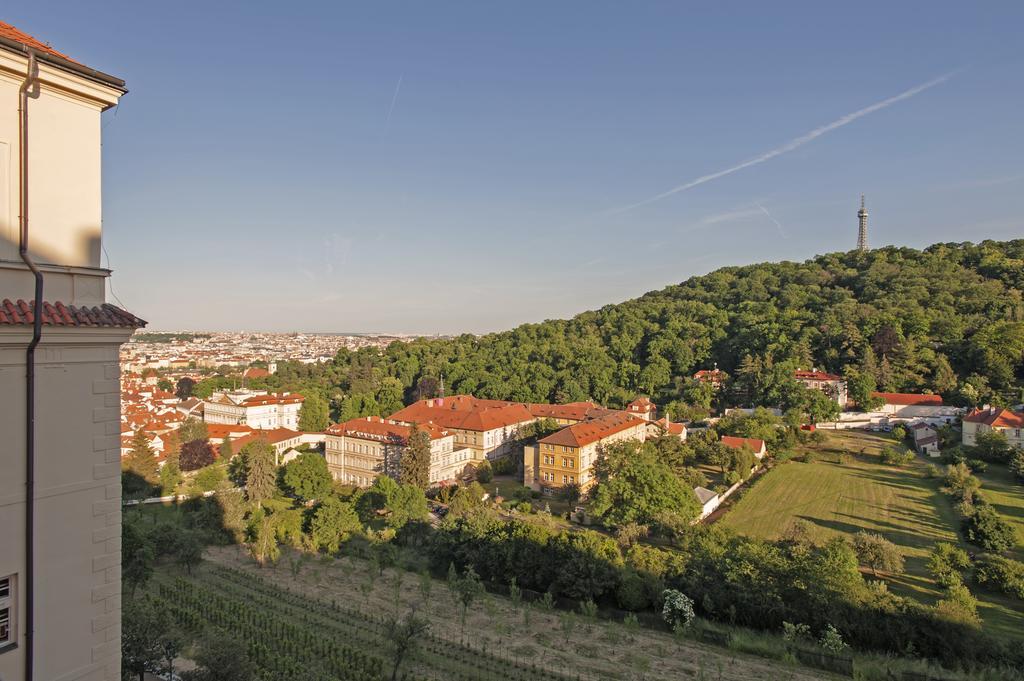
[{"x": 755, "y": 445}]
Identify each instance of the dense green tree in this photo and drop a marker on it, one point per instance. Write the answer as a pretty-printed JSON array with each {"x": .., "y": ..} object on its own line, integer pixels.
[
  {"x": 306, "y": 476},
  {"x": 313, "y": 414},
  {"x": 406, "y": 504},
  {"x": 221, "y": 658},
  {"x": 989, "y": 530},
  {"x": 415, "y": 462},
  {"x": 260, "y": 470},
  {"x": 165, "y": 384},
  {"x": 332, "y": 523},
  {"x": 877, "y": 553},
  {"x": 146, "y": 633},
  {"x": 227, "y": 449},
  {"x": 639, "y": 487},
  {"x": 991, "y": 445},
  {"x": 170, "y": 475},
  {"x": 1017, "y": 464},
  {"x": 184, "y": 387},
  {"x": 946, "y": 564},
  {"x": 137, "y": 556}
]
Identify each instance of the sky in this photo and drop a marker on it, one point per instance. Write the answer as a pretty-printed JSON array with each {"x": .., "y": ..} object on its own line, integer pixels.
[{"x": 451, "y": 167}]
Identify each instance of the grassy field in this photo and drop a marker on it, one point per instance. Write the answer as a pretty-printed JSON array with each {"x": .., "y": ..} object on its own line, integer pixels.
[
  {"x": 904, "y": 505},
  {"x": 343, "y": 600}
]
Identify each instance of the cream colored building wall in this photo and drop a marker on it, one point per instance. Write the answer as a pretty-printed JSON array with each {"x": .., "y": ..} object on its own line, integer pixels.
[
  {"x": 971, "y": 430},
  {"x": 65, "y": 182},
  {"x": 78, "y": 500}
]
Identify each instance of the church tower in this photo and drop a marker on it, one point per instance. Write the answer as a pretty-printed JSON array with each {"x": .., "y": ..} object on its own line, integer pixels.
[{"x": 862, "y": 230}]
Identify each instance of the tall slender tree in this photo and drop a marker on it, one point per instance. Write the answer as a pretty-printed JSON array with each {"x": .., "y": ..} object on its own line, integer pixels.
[
  {"x": 415, "y": 463},
  {"x": 261, "y": 471},
  {"x": 142, "y": 459}
]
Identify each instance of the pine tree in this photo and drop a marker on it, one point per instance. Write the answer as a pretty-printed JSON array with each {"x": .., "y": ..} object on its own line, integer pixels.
[
  {"x": 261, "y": 475},
  {"x": 142, "y": 460},
  {"x": 415, "y": 463}
]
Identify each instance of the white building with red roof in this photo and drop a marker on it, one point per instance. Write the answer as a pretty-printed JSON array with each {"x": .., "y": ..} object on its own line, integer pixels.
[
  {"x": 755, "y": 445},
  {"x": 256, "y": 409},
  {"x": 642, "y": 407},
  {"x": 60, "y": 577},
  {"x": 1006, "y": 421},
  {"x": 360, "y": 449},
  {"x": 830, "y": 384},
  {"x": 917, "y": 406}
]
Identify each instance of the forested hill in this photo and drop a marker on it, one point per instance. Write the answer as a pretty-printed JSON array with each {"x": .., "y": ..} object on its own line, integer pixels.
[{"x": 948, "y": 319}]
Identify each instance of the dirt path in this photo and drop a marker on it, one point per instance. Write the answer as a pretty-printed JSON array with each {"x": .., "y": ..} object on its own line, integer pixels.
[{"x": 592, "y": 649}]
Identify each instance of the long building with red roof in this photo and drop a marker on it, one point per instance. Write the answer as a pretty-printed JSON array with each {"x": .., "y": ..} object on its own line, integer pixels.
[{"x": 360, "y": 449}]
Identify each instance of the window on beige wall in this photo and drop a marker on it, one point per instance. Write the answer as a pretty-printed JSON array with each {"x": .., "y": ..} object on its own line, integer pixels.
[{"x": 7, "y": 612}]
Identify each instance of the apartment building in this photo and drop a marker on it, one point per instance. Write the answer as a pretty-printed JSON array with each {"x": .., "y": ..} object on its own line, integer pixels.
[
  {"x": 359, "y": 450},
  {"x": 568, "y": 456},
  {"x": 256, "y": 409},
  {"x": 1009, "y": 423},
  {"x": 489, "y": 428},
  {"x": 60, "y": 564}
]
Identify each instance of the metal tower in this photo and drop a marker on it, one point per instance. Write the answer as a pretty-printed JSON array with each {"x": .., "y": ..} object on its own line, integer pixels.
[{"x": 862, "y": 230}]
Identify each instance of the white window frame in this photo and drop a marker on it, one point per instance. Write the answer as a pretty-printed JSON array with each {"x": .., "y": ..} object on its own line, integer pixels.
[{"x": 7, "y": 606}]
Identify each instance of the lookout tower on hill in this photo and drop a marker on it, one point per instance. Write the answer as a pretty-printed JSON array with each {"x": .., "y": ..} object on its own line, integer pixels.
[{"x": 862, "y": 226}]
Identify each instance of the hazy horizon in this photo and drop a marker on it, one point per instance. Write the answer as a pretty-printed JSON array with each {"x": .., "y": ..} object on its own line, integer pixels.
[{"x": 455, "y": 167}]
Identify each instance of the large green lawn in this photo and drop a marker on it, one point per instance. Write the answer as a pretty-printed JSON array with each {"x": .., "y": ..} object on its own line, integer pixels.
[
  {"x": 904, "y": 505},
  {"x": 1001, "y": 489}
]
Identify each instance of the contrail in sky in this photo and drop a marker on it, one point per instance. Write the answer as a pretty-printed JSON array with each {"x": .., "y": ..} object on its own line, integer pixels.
[
  {"x": 771, "y": 217},
  {"x": 394, "y": 98},
  {"x": 795, "y": 143}
]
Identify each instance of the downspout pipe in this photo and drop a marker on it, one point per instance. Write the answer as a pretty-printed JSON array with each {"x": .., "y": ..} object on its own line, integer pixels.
[{"x": 31, "y": 79}]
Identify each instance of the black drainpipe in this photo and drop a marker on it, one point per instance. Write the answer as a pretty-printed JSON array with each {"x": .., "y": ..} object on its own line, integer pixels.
[{"x": 30, "y": 364}]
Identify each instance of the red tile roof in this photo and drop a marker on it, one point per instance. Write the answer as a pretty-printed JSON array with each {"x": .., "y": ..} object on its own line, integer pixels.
[
  {"x": 582, "y": 434},
  {"x": 641, "y": 404},
  {"x": 255, "y": 372},
  {"x": 273, "y": 398},
  {"x": 380, "y": 430},
  {"x": 574, "y": 411},
  {"x": 997, "y": 418},
  {"x": 465, "y": 413},
  {"x": 909, "y": 398},
  {"x": 755, "y": 444},
  {"x": 271, "y": 436},
  {"x": 674, "y": 427},
  {"x": 59, "y": 314},
  {"x": 802, "y": 375},
  {"x": 11, "y": 33}
]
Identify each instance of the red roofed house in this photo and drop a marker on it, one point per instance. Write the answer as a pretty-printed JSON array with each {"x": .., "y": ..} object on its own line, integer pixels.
[
  {"x": 59, "y": 372},
  {"x": 1009, "y": 423},
  {"x": 713, "y": 376},
  {"x": 359, "y": 450},
  {"x": 912, "y": 406},
  {"x": 642, "y": 407},
  {"x": 567, "y": 457},
  {"x": 255, "y": 372},
  {"x": 256, "y": 409},
  {"x": 755, "y": 445},
  {"x": 830, "y": 384}
]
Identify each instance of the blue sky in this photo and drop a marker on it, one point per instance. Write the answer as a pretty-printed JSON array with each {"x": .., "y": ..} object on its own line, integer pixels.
[{"x": 446, "y": 167}]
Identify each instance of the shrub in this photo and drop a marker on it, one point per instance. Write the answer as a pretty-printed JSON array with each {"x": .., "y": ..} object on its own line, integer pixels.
[
  {"x": 524, "y": 507},
  {"x": 1017, "y": 464},
  {"x": 832, "y": 641},
  {"x": 946, "y": 563},
  {"x": 986, "y": 528},
  {"x": 207, "y": 479},
  {"x": 791, "y": 633},
  {"x": 897, "y": 456},
  {"x": 632, "y": 592},
  {"x": 677, "y": 610},
  {"x": 506, "y": 466},
  {"x": 977, "y": 465},
  {"x": 1001, "y": 574},
  {"x": 484, "y": 474},
  {"x": 588, "y": 609}
]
